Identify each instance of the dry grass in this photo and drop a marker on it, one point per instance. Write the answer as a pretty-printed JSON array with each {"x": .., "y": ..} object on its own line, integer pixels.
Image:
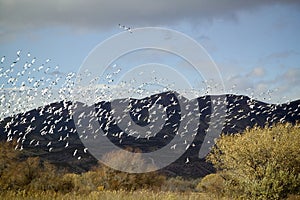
[
  {"x": 115, "y": 195},
  {"x": 105, "y": 195}
]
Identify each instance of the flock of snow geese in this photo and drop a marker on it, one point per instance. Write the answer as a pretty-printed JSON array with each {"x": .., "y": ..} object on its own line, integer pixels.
[{"x": 26, "y": 86}]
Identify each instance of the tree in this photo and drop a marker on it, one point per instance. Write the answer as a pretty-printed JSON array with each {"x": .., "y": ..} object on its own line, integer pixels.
[
  {"x": 8, "y": 158},
  {"x": 30, "y": 174},
  {"x": 261, "y": 163}
]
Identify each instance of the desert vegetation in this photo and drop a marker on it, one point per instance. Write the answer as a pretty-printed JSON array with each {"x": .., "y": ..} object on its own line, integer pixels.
[{"x": 261, "y": 163}]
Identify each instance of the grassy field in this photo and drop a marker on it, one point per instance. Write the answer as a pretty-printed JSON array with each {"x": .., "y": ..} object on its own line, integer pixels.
[
  {"x": 106, "y": 195},
  {"x": 277, "y": 178},
  {"x": 115, "y": 195}
]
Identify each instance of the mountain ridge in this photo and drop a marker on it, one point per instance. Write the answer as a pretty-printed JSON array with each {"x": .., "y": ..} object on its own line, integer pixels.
[{"x": 50, "y": 131}]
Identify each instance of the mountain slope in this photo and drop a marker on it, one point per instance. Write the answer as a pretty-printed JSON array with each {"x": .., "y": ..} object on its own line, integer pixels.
[{"x": 51, "y": 132}]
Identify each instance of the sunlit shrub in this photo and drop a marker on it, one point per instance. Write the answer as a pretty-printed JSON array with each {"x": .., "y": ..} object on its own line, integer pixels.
[
  {"x": 30, "y": 174},
  {"x": 8, "y": 159},
  {"x": 261, "y": 163},
  {"x": 112, "y": 179},
  {"x": 212, "y": 184}
]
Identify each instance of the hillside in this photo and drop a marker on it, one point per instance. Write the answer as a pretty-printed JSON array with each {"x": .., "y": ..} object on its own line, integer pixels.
[{"x": 51, "y": 132}]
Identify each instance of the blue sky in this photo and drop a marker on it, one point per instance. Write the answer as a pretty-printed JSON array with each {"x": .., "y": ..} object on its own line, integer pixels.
[{"x": 255, "y": 44}]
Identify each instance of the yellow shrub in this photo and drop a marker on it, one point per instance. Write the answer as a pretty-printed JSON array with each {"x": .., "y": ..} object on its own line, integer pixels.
[
  {"x": 212, "y": 183},
  {"x": 100, "y": 188},
  {"x": 261, "y": 163}
]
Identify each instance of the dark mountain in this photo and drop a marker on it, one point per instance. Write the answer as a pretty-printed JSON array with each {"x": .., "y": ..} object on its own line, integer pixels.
[{"x": 52, "y": 132}]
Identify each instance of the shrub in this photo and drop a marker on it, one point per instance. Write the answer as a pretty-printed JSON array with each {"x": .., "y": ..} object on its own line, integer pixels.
[
  {"x": 8, "y": 159},
  {"x": 112, "y": 179},
  {"x": 83, "y": 183},
  {"x": 261, "y": 163},
  {"x": 48, "y": 178},
  {"x": 212, "y": 184},
  {"x": 30, "y": 174},
  {"x": 179, "y": 184}
]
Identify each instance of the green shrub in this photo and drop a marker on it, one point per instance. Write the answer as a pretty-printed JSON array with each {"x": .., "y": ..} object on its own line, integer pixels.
[{"x": 261, "y": 163}]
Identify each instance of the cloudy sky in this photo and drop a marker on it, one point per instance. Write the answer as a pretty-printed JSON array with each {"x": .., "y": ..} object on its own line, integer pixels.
[{"x": 255, "y": 44}]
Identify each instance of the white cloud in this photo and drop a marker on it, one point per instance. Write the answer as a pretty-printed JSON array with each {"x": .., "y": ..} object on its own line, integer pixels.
[
  {"x": 257, "y": 72},
  {"x": 259, "y": 84},
  {"x": 278, "y": 56}
]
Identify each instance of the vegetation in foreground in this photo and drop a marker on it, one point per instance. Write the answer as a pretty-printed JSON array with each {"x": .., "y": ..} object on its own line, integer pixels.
[
  {"x": 261, "y": 163},
  {"x": 105, "y": 195}
]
